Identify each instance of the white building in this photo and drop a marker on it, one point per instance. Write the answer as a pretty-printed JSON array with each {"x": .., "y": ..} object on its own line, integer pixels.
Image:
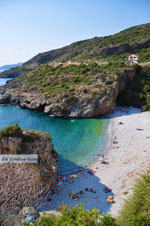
[{"x": 132, "y": 59}]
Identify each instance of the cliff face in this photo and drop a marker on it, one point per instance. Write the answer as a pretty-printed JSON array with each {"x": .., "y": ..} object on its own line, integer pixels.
[
  {"x": 126, "y": 48},
  {"x": 81, "y": 106},
  {"x": 22, "y": 183}
]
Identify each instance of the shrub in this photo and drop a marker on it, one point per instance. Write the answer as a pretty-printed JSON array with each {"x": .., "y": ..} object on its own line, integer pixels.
[
  {"x": 97, "y": 86},
  {"x": 136, "y": 211},
  {"x": 76, "y": 216},
  {"x": 85, "y": 91},
  {"x": 13, "y": 131}
]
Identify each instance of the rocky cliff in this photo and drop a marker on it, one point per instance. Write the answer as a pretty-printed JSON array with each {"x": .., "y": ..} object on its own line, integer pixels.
[
  {"x": 81, "y": 105},
  {"x": 22, "y": 184}
]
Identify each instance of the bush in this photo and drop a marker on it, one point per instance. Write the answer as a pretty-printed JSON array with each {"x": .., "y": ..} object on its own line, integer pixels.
[
  {"x": 13, "y": 131},
  {"x": 85, "y": 91},
  {"x": 76, "y": 216},
  {"x": 136, "y": 211}
]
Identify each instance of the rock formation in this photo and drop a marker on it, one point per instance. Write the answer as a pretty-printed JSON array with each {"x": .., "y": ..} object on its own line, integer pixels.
[
  {"x": 81, "y": 106},
  {"x": 22, "y": 184}
]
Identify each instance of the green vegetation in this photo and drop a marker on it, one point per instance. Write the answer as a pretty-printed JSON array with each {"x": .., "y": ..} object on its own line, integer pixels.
[
  {"x": 92, "y": 49},
  {"x": 72, "y": 79},
  {"x": 137, "y": 91},
  {"x": 136, "y": 211},
  {"x": 76, "y": 216},
  {"x": 101, "y": 60},
  {"x": 144, "y": 55},
  {"x": 130, "y": 36},
  {"x": 15, "y": 72},
  {"x": 119, "y": 59},
  {"x": 12, "y": 131},
  {"x": 16, "y": 131},
  {"x": 98, "y": 49}
]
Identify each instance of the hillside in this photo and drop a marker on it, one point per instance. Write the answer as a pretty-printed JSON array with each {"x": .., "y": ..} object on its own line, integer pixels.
[
  {"x": 72, "y": 91},
  {"x": 100, "y": 49},
  {"x": 88, "y": 85},
  {"x": 127, "y": 41}
]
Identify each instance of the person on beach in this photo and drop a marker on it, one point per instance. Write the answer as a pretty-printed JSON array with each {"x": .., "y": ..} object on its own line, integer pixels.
[
  {"x": 119, "y": 122},
  {"x": 102, "y": 157}
]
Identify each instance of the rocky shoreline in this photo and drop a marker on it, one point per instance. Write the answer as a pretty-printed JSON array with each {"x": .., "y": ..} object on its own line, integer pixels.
[{"x": 82, "y": 106}]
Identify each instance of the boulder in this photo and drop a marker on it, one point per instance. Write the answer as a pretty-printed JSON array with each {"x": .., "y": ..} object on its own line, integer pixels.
[{"x": 5, "y": 99}]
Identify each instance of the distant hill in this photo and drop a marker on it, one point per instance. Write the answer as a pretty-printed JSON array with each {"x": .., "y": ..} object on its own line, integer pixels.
[
  {"x": 98, "y": 49},
  {"x": 9, "y": 66},
  {"x": 131, "y": 40}
]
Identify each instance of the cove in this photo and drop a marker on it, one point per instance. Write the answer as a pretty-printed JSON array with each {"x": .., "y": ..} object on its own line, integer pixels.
[
  {"x": 3, "y": 81},
  {"x": 76, "y": 140}
]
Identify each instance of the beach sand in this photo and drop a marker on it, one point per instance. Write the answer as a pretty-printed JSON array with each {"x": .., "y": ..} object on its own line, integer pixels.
[{"x": 125, "y": 164}]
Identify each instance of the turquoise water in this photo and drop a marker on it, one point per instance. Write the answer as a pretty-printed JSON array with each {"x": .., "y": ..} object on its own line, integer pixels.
[{"x": 76, "y": 140}]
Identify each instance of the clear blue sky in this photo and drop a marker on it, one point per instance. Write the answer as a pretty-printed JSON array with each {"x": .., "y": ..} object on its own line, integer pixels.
[{"x": 32, "y": 26}]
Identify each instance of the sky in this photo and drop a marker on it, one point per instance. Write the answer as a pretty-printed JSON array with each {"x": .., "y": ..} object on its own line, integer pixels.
[{"x": 29, "y": 27}]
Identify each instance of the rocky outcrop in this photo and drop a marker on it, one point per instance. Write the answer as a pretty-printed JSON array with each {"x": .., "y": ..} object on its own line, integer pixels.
[
  {"x": 125, "y": 48},
  {"x": 22, "y": 184},
  {"x": 82, "y": 106}
]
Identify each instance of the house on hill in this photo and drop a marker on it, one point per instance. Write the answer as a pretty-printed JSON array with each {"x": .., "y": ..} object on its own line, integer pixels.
[{"x": 132, "y": 59}]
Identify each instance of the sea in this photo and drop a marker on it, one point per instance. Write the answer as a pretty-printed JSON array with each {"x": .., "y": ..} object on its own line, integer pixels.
[
  {"x": 77, "y": 141},
  {"x": 1, "y": 70}
]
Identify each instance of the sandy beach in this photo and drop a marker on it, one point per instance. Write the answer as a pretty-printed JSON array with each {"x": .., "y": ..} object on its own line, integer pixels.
[{"x": 126, "y": 160}]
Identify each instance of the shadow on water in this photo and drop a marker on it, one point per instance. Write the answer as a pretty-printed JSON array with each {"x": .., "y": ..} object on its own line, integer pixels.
[
  {"x": 76, "y": 140},
  {"x": 66, "y": 167},
  {"x": 89, "y": 199}
]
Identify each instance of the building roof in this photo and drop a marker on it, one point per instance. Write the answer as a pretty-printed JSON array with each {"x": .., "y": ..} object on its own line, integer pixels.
[{"x": 132, "y": 55}]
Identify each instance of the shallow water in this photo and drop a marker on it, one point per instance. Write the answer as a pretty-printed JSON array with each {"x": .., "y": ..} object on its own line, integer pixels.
[{"x": 76, "y": 140}]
